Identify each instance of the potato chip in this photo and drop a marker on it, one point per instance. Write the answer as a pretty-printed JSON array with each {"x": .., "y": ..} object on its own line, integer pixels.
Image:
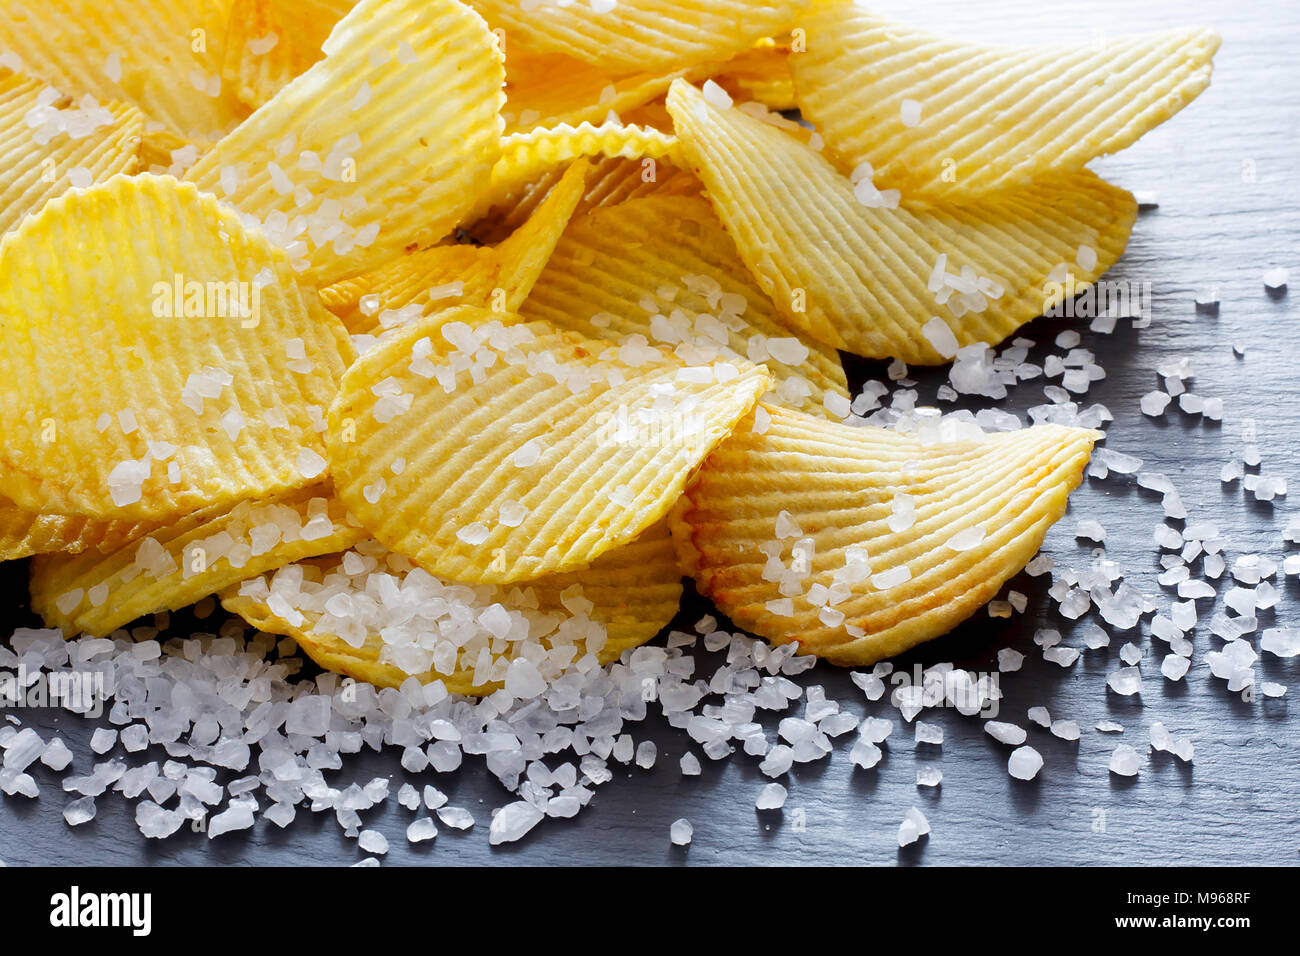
[
  {"x": 271, "y": 41},
  {"x": 382, "y": 145},
  {"x": 199, "y": 378},
  {"x": 551, "y": 89},
  {"x": 761, "y": 75},
  {"x": 497, "y": 277},
  {"x": 946, "y": 118},
  {"x": 174, "y": 566},
  {"x": 72, "y": 143},
  {"x": 664, "y": 271},
  {"x": 488, "y": 449},
  {"x": 552, "y": 624},
  {"x": 904, "y": 282},
  {"x": 861, "y": 542},
  {"x": 641, "y": 34},
  {"x": 24, "y": 533},
  {"x": 163, "y": 56}
]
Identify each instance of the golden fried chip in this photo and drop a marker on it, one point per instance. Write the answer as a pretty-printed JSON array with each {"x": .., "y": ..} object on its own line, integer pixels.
[
  {"x": 663, "y": 270},
  {"x": 269, "y": 42},
  {"x": 174, "y": 566},
  {"x": 908, "y": 283},
  {"x": 24, "y": 533},
  {"x": 383, "y": 144},
  {"x": 551, "y": 89},
  {"x": 488, "y": 449},
  {"x": 497, "y": 277},
  {"x": 163, "y": 56},
  {"x": 641, "y": 34},
  {"x": 159, "y": 357},
  {"x": 71, "y": 143},
  {"x": 861, "y": 542},
  {"x": 946, "y": 118},
  {"x": 581, "y": 619},
  {"x": 762, "y": 75}
]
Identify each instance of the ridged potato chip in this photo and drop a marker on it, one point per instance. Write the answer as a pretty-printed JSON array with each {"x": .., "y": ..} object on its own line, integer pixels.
[
  {"x": 382, "y": 145},
  {"x": 861, "y": 542},
  {"x": 762, "y": 75},
  {"x": 198, "y": 378},
  {"x": 578, "y": 619},
  {"x": 24, "y": 533},
  {"x": 163, "y": 56},
  {"x": 639, "y": 34},
  {"x": 269, "y": 42},
  {"x": 489, "y": 449},
  {"x": 498, "y": 277},
  {"x": 945, "y": 118},
  {"x": 72, "y": 142},
  {"x": 552, "y": 89},
  {"x": 174, "y": 566},
  {"x": 663, "y": 269},
  {"x": 907, "y": 283}
]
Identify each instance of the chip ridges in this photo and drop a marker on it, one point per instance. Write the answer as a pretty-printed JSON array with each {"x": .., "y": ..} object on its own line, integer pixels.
[
  {"x": 638, "y": 34},
  {"x": 557, "y": 445},
  {"x": 418, "y": 83},
  {"x": 837, "y": 483},
  {"x": 991, "y": 117},
  {"x": 613, "y": 260},
  {"x": 24, "y": 533},
  {"x": 867, "y": 291},
  {"x": 25, "y": 185},
  {"x": 171, "y": 567},
  {"x": 73, "y": 373}
]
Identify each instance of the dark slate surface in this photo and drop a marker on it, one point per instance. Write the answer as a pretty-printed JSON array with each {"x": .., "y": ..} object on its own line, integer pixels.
[{"x": 1227, "y": 170}]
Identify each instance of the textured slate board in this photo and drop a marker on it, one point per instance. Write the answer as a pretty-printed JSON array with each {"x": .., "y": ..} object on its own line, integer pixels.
[{"x": 1235, "y": 805}]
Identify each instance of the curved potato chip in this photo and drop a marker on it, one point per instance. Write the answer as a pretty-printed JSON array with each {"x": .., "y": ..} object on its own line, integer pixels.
[
  {"x": 945, "y": 118},
  {"x": 174, "y": 566},
  {"x": 494, "y": 450},
  {"x": 861, "y": 542},
  {"x": 610, "y": 181},
  {"x": 383, "y": 144},
  {"x": 24, "y": 533},
  {"x": 269, "y": 42},
  {"x": 451, "y": 275},
  {"x": 663, "y": 269},
  {"x": 637, "y": 34},
  {"x": 198, "y": 378},
  {"x": 762, "y": 75},
  {"x": 581, "y": 619},
  {"x": 901, "y": 282},
  {"x": 74, "y": 143},
  {"x": 551, "y": 89},
  {"x": 163, "y": 56}
]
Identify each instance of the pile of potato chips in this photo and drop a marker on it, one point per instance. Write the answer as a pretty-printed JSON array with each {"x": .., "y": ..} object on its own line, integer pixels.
[{"x": 438, "y": 334}]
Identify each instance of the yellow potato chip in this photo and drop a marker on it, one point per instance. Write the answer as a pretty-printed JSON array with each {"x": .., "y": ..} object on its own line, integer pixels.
[
  {"x": 163, "y": 56},
  {"x": 555, "y": 623},
  {"x": 269, "y": 42},
  {"x": 639, "y": 34},
  {"x": 914, "y": 283},
  {"x": 762, "y": 75},
  {"x": 860, "y": 542},
  {"x": 24, "y": 533},
  {"x": 381, "y": 145},
  {"x": 198, "y": 378},
  {"x": 497, "y": 277},
  {"x": 664, "y": 271},
  {"x": 946, "y": 118},
  {"x": 551, "y": 89},
  {"x": 72, "y": 143},
  {"x": 174, "y": 566},
  {"x": 488, "y": 449}
]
